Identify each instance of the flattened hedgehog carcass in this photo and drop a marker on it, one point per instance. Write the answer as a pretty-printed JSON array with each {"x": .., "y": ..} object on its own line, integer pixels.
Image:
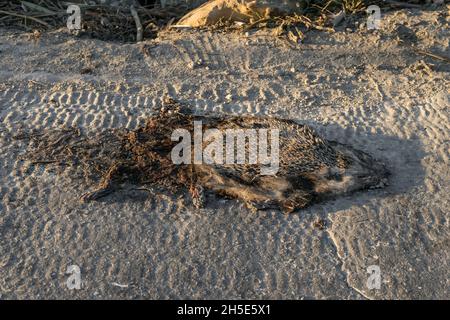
[{"x": 311, "y": 169}]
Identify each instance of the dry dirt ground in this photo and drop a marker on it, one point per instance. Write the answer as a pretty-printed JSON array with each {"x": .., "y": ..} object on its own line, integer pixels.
[{"x": 359, "y": 87}]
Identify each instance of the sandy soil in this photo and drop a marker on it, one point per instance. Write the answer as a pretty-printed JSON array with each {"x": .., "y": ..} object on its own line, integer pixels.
[{"x": 359, "y": 87}]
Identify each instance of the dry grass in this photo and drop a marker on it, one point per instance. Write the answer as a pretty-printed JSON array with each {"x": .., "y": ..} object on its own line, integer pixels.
[
  {"x": 117, "y": 24},
  {"x": 98, "y": 21}
]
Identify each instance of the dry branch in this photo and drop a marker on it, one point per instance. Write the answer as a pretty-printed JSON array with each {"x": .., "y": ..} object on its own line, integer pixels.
[{"x": 138, "y": 24}]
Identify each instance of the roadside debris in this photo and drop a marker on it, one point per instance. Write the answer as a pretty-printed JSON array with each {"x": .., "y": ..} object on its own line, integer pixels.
[
  {"x": 289, "y": 19},
  {"x": 246, "y": 11},
  {"x": 104, "y": 22}
]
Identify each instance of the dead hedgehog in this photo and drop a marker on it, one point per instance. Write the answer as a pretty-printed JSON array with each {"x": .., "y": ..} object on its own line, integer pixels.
[{"x": 162, "y": 154}]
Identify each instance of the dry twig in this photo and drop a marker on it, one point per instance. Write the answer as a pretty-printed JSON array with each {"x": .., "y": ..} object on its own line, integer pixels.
[{"x": 138, "y": 24}]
